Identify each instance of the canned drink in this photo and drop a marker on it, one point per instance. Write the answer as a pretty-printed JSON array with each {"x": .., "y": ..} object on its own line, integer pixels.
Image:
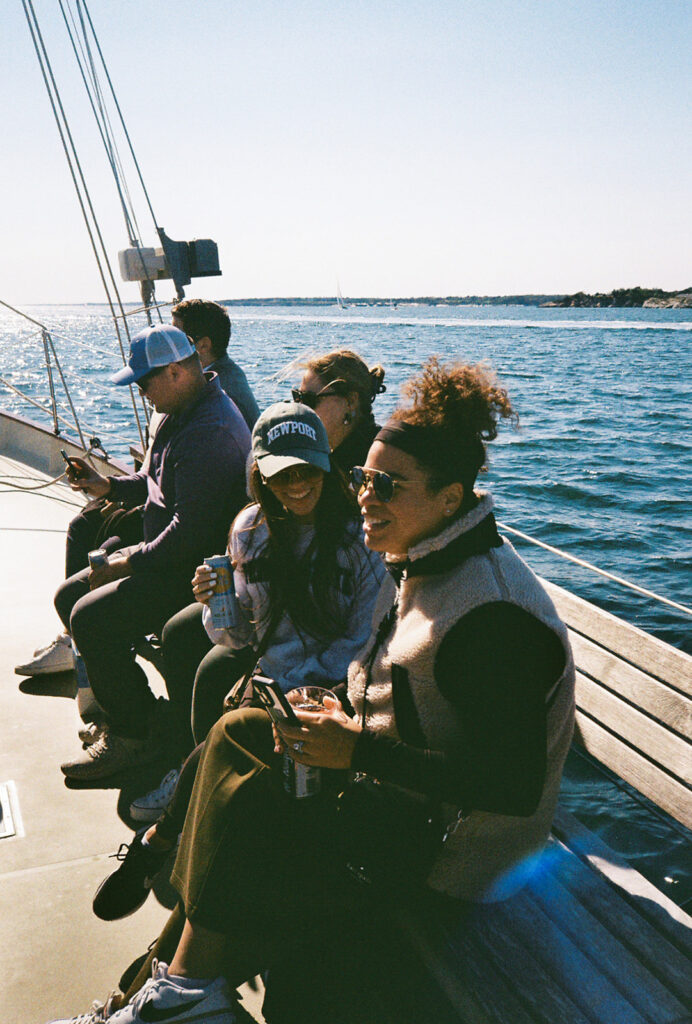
[
  {"x": 301, "y": 780},
  {"x": 97, "y": 558},
  {"x": 222, "y": 604}
]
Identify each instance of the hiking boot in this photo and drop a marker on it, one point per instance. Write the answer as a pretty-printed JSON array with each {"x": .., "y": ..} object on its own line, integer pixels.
[
  {"x": 54, "y": 657},
  {"x": 151, "y": 806},
  {"x": 160, "y": 999},
  {"x": 88, "y": 734},
  {"x": 110, "y": 754},
  {"x": 126, "y": 888}
]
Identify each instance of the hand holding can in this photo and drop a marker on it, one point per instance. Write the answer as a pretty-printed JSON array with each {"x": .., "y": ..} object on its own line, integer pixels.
[{"x": 222, "y": 602}]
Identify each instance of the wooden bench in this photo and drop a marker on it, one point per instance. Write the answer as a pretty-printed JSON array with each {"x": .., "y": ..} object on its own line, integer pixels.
[{"x": 588, "y": 940}]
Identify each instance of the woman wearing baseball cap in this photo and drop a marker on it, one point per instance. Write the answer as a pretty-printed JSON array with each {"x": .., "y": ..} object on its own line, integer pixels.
[{"x": 306, "y": 588}]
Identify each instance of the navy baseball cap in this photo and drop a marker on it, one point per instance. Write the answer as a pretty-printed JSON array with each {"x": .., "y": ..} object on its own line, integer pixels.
[
  {"x": 153, "y": 347},
  {"x": 288, "y": 434}
]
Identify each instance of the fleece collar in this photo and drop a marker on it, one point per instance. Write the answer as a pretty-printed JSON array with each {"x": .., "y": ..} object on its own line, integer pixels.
[{"x": 471, "y": 534}]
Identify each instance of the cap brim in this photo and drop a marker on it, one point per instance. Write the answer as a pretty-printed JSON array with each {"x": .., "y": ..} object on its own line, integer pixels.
[
  {"x": 270, "y": 465},
  {"x": 124, "y": 376}
]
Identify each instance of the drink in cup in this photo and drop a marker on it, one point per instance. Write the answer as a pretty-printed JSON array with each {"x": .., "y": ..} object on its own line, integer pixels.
[{"x": 303, "y": 780}]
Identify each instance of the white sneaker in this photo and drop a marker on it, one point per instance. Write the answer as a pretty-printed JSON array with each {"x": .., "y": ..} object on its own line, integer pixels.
[
  {"x": 55, "y": 657},
  {"x": 98, "y": 1014},
  {"x": 160, "y": 999},
  {"x": 151, "y": 806}
]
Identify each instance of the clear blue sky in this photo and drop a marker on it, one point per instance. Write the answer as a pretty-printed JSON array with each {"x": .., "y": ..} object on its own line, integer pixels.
[{"x": 405, "y": 148}]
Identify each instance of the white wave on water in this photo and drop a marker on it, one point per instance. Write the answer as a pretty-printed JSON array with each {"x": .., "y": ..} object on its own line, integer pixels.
[{"x": 412, "y": 321}]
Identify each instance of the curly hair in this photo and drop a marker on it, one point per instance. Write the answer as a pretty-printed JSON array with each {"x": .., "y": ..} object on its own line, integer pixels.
[{"x": 462, "y": 406}]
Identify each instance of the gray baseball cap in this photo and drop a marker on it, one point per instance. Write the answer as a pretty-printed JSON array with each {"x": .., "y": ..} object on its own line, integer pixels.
[
  {"x": 288, "y": 434},
  {"x": 153, "y": 347}
]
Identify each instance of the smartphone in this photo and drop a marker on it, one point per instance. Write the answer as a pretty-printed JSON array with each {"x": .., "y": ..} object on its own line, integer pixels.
[
  {"x": 274, "y": 700},
  {"x": 77, "y": 470}
]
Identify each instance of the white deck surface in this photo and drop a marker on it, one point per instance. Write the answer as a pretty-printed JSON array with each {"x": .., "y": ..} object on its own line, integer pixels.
[{"x": 55, "y": 955}]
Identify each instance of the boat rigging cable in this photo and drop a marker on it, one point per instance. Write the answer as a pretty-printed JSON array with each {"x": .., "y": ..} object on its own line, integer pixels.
[{"x": 76, "y": 172}]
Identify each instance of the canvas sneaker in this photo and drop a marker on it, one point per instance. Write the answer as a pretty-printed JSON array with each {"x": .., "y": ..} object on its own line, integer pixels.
[
  {"x": 126, "y": 888},
  {"x": 56, "y": 656},
  {"x": 160, "y": 999},
  {"x": 151, "y": 806},
  {"x": 110, "y": 754}
]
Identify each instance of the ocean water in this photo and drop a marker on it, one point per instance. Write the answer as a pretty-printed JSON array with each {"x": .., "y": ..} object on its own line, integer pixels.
[{"x": 601, "y": 465}]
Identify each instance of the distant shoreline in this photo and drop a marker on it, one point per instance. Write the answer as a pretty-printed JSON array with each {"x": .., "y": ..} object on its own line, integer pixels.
[{"x": 621, "y": 297}]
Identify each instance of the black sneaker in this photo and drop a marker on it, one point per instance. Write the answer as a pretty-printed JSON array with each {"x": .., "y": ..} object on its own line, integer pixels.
[{"x": 126, "y": 889}]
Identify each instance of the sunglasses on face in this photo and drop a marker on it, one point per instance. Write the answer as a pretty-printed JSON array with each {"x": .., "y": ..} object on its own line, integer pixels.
[
  {"x": 311, "y": 398},
  {"x": 293, "y": 474},
  {"x": 382, "y": 484},
  {"x": 144, "y": 382}
]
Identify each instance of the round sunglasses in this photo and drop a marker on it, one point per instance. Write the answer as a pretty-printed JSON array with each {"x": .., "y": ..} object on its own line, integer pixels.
[{"x": 382, "y": 484}]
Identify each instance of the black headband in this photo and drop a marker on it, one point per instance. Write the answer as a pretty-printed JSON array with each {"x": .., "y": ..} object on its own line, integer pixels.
[
  {"x": 412, "y": 439},
  {"x": 466, "y": 454}
]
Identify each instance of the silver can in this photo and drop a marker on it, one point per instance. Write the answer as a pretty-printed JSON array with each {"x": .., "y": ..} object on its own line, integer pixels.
[
  {"x": 301, "y": 780},
  {"x": 97, "y": 558},
  {"x": 223, "y": 603}
]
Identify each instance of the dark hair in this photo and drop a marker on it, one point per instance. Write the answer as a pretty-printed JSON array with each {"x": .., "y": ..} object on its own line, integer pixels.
[
  {"x": 460, "y": 405},
  {"x": 343, "y": 364},
  {"x": 202, "y": 318},
  {"x": 307, "y": 587}
]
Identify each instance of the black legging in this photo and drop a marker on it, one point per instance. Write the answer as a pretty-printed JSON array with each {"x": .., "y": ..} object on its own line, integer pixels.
[{"x": 198, "y": 673}]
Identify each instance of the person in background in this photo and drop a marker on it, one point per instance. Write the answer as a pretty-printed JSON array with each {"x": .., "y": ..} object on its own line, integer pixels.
[
  {"x": 464, "y": 694},
  {"x": 341, "y": 388},
  {"x": 105, "y": 524},
  {"x": 194, "y": 484},
  {"x": 305, "y": 585},
  {"x": 209, "y": 326}
]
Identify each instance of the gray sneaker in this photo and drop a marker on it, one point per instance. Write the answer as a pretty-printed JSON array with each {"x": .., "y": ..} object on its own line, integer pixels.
[
  {"x": 55, "y": 657},
  {"x": 110, "y": 754}
]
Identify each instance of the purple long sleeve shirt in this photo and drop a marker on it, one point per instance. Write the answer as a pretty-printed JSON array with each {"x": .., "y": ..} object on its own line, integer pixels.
[{"x": 193, "y": 486}]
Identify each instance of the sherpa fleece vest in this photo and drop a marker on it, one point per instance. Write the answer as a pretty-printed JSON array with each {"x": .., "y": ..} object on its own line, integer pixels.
[{"x": 488, "y": 856}]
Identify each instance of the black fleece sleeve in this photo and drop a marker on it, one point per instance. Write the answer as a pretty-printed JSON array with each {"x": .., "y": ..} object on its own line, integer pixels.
[{"x": 496, "y": 667}]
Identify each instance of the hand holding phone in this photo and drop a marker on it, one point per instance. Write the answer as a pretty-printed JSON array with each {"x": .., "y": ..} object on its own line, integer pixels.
[
  {"x": 274, "y": 700},
  {"x": 72, "y": 465}
]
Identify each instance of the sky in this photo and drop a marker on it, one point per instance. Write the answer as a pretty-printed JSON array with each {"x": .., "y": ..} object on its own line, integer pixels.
[{"x": 398, "y": 148}]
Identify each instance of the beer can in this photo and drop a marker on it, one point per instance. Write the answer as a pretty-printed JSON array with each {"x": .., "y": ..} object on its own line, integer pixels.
[
  {"x": 301, "y": 780},
  {"x": 97, "y": 558},
  {"x": 222, "y": 604}
]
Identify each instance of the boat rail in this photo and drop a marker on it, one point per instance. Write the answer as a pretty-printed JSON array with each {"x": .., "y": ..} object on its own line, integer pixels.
[
  {"x": 54, "y": 367},
  {"x": 594, "y": 568}
]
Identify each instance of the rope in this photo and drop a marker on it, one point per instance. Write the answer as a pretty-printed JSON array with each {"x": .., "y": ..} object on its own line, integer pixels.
[
  {"x": 83, "y": 195},
  {"x": 600, "y": 572}
]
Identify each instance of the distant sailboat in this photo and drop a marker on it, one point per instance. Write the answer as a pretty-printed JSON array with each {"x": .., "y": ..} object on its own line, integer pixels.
[{"x": 339, "y": 297}]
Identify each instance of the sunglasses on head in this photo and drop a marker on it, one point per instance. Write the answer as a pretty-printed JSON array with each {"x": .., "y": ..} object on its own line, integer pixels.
[
  {"x": 382, "y": 483},
  {"x": 311, "y": 398}
]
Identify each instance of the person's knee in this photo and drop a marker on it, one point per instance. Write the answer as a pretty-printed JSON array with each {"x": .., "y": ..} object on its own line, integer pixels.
[
  {"x": 88, "y": 623},
  {"x": 67, "y": 596}
]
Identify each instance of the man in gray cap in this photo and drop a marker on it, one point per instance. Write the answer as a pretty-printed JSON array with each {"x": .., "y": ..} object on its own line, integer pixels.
[{"x": 192, "y": 486}]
